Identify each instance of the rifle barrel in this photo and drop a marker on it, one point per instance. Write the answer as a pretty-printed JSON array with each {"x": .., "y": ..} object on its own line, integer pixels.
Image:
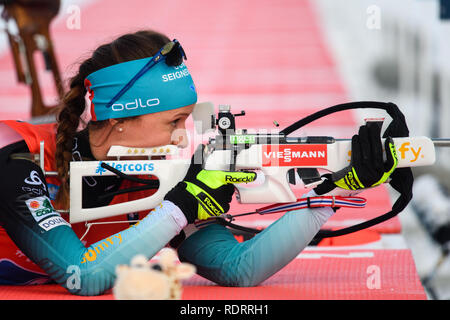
[{"x": 441, "y": 142}]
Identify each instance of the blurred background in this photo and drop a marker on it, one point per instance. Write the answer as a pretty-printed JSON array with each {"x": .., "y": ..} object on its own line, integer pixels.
[
  {"x": 264, "y": 56},
  {"x": 402, "y": 55}
]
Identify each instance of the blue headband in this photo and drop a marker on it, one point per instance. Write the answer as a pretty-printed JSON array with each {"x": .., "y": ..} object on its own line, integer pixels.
[{"x": 139, "y": 87}]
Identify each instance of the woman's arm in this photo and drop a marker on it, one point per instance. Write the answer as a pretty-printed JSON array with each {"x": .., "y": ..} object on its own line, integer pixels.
[
  {"x": 219, "y": 257},
  {"x": 49, "y": 241}
]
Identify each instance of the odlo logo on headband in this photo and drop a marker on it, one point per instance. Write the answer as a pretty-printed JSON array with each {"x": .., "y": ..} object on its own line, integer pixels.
[{"x": 137, "y": 103}]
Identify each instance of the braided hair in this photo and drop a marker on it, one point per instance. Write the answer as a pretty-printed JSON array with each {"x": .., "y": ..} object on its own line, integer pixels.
[{"x": 131, "y": 46}]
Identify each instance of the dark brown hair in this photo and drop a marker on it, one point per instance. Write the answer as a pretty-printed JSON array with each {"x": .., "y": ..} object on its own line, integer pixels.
[{"x": 131, "y": 46}]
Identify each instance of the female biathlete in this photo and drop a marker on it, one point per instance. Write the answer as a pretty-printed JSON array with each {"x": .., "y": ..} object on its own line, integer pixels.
[{"x": 135, "y": 102}]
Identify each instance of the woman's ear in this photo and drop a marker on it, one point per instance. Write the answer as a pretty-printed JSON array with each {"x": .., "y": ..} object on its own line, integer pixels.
[
  {"x": 116, "y": 124},
  {"x": 113, "y": 122}
]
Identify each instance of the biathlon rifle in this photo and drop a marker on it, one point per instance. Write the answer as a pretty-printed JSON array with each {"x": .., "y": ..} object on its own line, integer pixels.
[{"x": 277, "y": 158}]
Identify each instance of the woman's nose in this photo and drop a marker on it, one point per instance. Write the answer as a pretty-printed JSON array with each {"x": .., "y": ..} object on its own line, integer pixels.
[{"x": 179, "y": 138}]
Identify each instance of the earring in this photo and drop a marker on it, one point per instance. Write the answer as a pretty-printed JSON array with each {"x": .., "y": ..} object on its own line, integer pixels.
[{"x": 120, "y": 129}]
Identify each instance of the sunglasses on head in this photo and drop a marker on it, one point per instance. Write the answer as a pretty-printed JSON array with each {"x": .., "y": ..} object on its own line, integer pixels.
[{"x": 172, "y": 53}]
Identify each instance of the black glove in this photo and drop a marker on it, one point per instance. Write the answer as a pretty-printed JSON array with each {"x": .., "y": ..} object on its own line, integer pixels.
[
  {"x": 206, "y": 193},
  {"x": 366, "y": 168}
]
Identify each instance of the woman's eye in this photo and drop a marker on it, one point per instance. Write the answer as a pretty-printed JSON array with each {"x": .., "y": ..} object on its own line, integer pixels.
[
  {"x": 175, "y": 122},
  {"x": 157, "y": 267}
]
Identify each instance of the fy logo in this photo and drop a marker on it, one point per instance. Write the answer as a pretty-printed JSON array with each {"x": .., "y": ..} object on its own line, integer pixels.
[{"x": 405, "y": 147}]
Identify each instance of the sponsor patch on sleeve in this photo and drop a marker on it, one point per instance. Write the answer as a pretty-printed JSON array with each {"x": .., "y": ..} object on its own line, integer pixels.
[
  {"x": 40, "y": 208},
  {"x": 53, "y": 222}
]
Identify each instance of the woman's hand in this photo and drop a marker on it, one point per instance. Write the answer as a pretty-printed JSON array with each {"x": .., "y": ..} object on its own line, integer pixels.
[
  {"x": 206, "y": 193},
  {"x": 367, "y": 168}
]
